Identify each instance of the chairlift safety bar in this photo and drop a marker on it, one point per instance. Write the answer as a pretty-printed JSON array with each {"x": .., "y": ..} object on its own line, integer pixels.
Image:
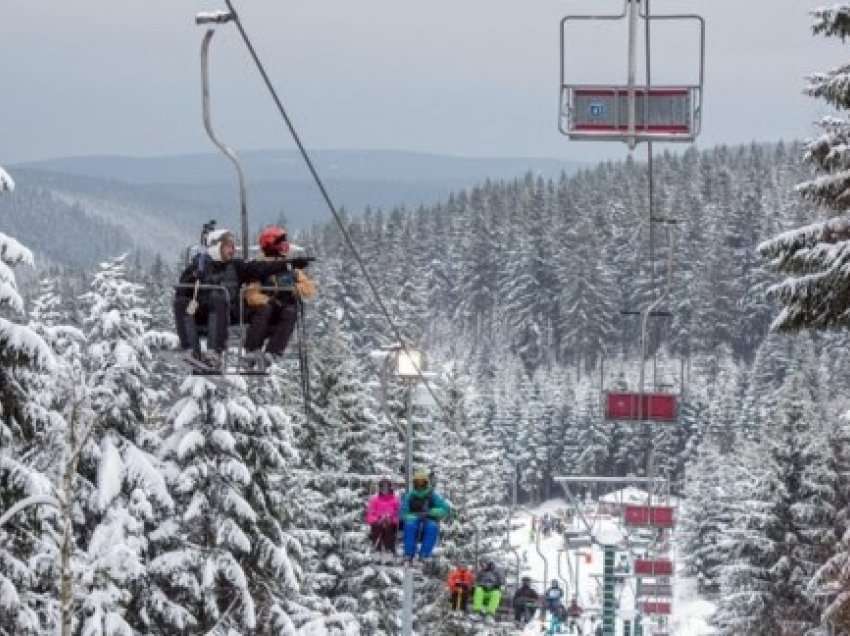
[{"x": 240, "y": 369}]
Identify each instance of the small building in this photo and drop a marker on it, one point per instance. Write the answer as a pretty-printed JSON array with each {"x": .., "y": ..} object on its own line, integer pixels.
[{"x": 614, "y": 502}]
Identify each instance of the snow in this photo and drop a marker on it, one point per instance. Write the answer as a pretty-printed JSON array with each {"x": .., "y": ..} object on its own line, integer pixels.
[
  {"x": 110, "y": 474},
  {"x": 628, "y": 495},
  {"x": 139, "y": 467},
  {"x": 186, "y": 411},
  {"x": 212, "y": 16},
  {"x": 191, "y": 443}
]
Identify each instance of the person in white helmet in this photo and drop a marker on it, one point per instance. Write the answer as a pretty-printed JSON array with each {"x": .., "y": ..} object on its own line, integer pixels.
[{"x": 214, "y": 308}]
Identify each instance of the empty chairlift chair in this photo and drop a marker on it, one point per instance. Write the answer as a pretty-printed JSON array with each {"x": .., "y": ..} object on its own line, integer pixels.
[{"x": 630, "y": 112}]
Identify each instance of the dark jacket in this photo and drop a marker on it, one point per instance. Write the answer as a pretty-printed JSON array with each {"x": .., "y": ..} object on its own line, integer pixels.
[
  {"x": 525, "y": 596},
  {"x": 488, "y": 579},
  {"x": 231, "y": 274}
]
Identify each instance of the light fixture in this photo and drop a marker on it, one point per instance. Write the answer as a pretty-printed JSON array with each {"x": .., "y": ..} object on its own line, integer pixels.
[{"x": 409, "y": 363}]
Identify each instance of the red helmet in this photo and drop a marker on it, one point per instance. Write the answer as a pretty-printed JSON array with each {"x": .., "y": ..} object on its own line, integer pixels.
[{"x": 273, "y": 240}]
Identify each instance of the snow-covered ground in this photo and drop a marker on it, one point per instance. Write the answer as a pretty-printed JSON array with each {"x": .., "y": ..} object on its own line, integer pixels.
[{"x": 690, "y": 613}]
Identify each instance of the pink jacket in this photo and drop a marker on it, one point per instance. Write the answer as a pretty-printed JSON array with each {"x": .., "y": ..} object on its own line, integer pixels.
[{"x": 383, "y": 506}]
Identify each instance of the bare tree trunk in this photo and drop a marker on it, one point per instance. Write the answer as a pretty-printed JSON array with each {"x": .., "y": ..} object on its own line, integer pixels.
[{"x": 74, "y": 443}]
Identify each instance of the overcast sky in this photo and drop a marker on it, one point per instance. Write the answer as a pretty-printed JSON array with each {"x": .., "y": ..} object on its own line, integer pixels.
[{"x": 462, "y": 77}]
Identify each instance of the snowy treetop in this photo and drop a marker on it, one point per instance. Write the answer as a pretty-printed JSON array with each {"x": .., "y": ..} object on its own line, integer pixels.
[
  {"x": 6, "y": 182},
  {"x": 832, "y": 21}
]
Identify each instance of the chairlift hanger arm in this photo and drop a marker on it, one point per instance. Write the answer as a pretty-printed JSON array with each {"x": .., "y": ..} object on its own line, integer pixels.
[{"x": 227, "y": 151}]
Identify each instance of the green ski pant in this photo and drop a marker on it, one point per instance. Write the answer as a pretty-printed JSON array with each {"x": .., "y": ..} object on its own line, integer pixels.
[{"x": 486, "y": 600}]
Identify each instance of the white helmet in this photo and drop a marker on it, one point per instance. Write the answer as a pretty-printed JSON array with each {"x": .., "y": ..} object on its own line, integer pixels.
[{"x": 214, "y": 241}]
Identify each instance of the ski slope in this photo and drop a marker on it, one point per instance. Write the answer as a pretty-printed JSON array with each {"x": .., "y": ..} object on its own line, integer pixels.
[{"x": 690, "y": 613}]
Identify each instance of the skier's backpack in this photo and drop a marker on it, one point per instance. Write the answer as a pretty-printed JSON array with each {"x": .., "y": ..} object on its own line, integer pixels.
[{"x": 197, "y": 254}]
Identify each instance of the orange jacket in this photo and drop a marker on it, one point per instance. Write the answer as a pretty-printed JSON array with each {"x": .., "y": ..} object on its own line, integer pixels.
[{"x": 461, "y": 577}]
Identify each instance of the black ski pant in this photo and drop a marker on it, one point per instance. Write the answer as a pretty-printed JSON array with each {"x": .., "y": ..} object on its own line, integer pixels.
[
  {"x": 275, "y": 320},
  {"x": 524, "y": 612},
  {"x": 212, "y": 311},
  {"x": 383, "y": 536},
  {"x": 460, "y": 598}
]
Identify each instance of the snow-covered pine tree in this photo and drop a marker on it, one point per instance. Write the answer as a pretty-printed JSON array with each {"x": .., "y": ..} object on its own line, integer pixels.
[
  {"x": 782, "y": 532},
  {"x": 815, "y": 291},
  {"x": 587, "y": 309},
  {"x": 829, "y": 585},
  {"x": 705, "y": 516},
  {"x": 229, "y": 558},
  {"x": 350, "y": 441},
  {"x": 22, "y": 353},
  {"x": 127, "y": 497},
  {"x": 592, "y": 435},
  {"x": 468, "y": 457},
  {"x": 57, "y": 409}
]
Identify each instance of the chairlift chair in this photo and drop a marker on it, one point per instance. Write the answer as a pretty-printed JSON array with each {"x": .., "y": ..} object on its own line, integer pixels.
[
  {"x": 662, "y": 608},
  {"x": 240, "y": 363},
  {"x": 630, "y": 112},
  {"x": 649, "y": 516},
  {"x": 654, "y": 590},
  {"x": 630, "y": 406},
  {"x": 653, "y": 567}
]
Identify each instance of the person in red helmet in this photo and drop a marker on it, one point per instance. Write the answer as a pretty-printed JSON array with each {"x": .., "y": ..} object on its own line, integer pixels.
[{"x": 273, "y": 312}]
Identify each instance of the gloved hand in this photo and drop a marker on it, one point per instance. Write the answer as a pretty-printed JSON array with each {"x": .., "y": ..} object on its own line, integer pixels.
[{"x": 304, "y": 287}]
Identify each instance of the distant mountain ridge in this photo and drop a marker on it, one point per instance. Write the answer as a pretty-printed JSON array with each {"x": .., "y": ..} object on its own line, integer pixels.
[
  {"x": 262, "y": 165},
  {"x": 157, "y": 204}
]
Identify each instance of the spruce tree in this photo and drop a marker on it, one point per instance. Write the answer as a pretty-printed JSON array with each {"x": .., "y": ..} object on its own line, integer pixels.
[
  {"x": 22, "y": 352},
  {"x": 128, "y": 498},
  {"x": 815, "y": 291}
]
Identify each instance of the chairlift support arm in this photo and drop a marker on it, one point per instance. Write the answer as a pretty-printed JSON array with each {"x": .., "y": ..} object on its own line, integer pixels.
[{"x": 220, "y": 18}]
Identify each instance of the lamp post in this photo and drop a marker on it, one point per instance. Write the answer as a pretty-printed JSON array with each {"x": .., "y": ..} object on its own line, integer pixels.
[{"x": 408, "y": 368}]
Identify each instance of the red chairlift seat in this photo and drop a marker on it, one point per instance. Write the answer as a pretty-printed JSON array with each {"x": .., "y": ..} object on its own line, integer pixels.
[
  {"x": 656, "y": 607},
  {"x": 650, "y": 567},
  {"x": 627, "y": 406},
  {"x": 655, "y": 516}
]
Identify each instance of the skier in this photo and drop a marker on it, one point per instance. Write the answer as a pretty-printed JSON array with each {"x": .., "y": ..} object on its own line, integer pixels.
[
  {"x": 382, "y": 517},
  {"x": 573, "y": 616},
  {"x": 214, "y": 265},
  {"x": 547, "y": 526},
  {"x": 421, "y": 510},
  {"x": 525, "y": 602},
  {"x": 488, "y": 590},
  {"x": 553, "y": 605},
  {"x": 273, "y": 315},
  {"x": 460, "y": 583}
]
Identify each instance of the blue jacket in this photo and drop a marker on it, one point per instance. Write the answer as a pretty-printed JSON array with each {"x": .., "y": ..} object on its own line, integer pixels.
[{"x": 426, "y": 501}]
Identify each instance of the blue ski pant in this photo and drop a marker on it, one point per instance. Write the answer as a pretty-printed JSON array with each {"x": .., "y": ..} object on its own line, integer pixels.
[{"x": 430, "y": 531}]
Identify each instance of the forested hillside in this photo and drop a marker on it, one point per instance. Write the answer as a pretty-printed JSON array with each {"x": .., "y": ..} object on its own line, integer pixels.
[
  {"x": 166, "y": 484},
  {"x": 542, "y": 269}
]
